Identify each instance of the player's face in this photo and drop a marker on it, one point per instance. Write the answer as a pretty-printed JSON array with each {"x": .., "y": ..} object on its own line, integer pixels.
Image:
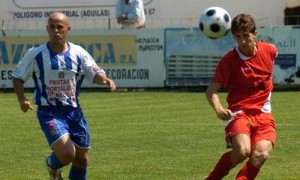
[
  {"x": 58, "y": 28},
  {"x": 246, "y": 42}
]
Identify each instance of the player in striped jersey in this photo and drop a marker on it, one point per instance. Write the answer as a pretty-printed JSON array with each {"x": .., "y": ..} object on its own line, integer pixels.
[
  {"x": 246, "y": 72},
  {"x": 58, "y": 69}
]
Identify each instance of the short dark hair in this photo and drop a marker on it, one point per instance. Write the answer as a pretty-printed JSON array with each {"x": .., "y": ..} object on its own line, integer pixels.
[{"x": 243, "y": 22}]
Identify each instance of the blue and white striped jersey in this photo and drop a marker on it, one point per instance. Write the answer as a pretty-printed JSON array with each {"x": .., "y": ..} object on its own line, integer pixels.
[{"x": 57, "y": 76}]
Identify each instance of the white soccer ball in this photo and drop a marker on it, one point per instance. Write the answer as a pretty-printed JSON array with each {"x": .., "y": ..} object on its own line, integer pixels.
[{"x": 215, "y": 22}]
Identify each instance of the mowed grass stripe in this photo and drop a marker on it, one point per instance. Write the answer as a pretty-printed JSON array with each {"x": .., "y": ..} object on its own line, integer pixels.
[{"x": 146, "y": 135}]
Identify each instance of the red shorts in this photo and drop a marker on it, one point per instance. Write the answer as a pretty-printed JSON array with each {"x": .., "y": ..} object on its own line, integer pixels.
[{"x": 257, "y": 125}]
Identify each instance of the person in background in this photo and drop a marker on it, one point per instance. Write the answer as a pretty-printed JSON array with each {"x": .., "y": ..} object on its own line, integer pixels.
[
  {"x": 58, "y": 68},
  {"x": 246, "y": 72},
  {"x": 292, "y": 12},
  {"x": 130, "y": 14}
]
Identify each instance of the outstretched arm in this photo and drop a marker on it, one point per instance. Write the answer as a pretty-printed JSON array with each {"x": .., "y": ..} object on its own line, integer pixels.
[{"x": 100, "y": 78}]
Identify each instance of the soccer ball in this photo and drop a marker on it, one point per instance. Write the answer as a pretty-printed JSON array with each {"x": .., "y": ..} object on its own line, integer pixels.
[{"x": 215, "y": 22}]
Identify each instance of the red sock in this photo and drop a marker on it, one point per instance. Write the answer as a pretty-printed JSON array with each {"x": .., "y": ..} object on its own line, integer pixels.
[
  {"x": 248, "y": 172},
  {"x": 222, "y": 168}
]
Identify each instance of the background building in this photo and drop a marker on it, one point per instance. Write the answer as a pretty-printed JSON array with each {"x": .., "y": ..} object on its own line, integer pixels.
[{"x": 100, "y": 14}]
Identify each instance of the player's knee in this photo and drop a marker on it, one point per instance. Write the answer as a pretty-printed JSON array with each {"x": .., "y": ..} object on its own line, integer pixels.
[
  {"x": 240, "y": 154},
  {"x": 258, "y": 158},
  {"x": 80, "y": 162},
  {"x": 66, "y": 155},
  {"x": 66, "y": 158}
]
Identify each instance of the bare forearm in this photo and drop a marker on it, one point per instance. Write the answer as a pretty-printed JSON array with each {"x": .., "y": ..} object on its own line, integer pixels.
[
  {"x": 19, "y": 89},
  {"x": 25, "y": 104},
  {"x": 212, "y": 96},
  {"x": 101, "y": 79},
  {"x": 213, "y": 99}
]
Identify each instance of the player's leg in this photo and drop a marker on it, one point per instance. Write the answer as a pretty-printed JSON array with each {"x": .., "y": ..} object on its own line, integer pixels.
[
  {"x": 58, "y": 138},
  {"x": 240, "y": 151},
  {"x": 241, "y": 148},
  {"x": 260, "y": 153},
  {"x": 79, "y": 164},
  {"x": 237, "y": 137},
  {"x": 264, "y": 137},
  {"x": 222, "y": 168},
  {"x": 57, "y": 135},
  {"x": 63, "y": 153},
  {"x": 64, "y": 149},
  {"x": 81, "y": 137}
]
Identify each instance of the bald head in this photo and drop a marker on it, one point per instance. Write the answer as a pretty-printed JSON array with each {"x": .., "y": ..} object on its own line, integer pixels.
[
  {"x": 58, "y": 28},
  {"x": 58, "y": 16}
]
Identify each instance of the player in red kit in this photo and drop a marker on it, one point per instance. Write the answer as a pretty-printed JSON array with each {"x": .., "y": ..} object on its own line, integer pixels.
[{"x": 246, "y": 72}]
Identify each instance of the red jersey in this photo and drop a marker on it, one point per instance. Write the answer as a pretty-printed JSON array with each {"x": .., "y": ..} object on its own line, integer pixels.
[{"x": 248, "y": 79}]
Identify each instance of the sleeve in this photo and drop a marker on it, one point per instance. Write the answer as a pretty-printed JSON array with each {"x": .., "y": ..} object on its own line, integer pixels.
[
  {"x": 136, "y": 10},
  {"x": 274, "y": 51},
  {"x": 118, "y": 9},
  {"x": 222, "y": 72},
  {"x": 24, "y": 68},
  {"x": 89, "y": 66}
]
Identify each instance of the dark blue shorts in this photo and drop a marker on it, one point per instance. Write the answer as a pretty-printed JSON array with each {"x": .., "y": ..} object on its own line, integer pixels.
[{"x": 57, "y": 122}]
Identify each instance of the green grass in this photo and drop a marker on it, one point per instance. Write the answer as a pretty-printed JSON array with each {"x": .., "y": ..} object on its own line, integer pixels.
[{"x": 146, "y": 135}]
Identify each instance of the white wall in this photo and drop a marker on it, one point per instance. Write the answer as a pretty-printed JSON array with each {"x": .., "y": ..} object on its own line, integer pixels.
[
  {"x": 175, "y": 13},
  {"x": 192, "y": 8}
]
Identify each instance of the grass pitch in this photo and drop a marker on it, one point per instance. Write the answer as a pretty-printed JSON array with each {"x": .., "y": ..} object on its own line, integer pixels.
[{"x": 146, "y": 135}]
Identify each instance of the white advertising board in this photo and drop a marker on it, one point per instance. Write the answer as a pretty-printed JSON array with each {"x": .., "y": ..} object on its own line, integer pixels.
[
  {"x": 79, "y": 9},
  {"x": 133, "y": 58},
  {"x": 182, "y": 42},
  {"x": 137, "y": 58},
  {"x": 287, "y": 63}
]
